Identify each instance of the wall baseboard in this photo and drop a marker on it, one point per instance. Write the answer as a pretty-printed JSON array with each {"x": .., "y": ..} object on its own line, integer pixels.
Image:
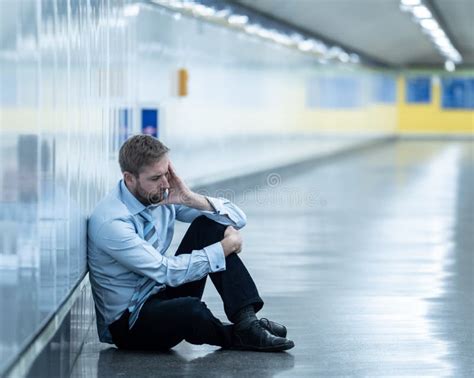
[{"x": 440, "y": 137}]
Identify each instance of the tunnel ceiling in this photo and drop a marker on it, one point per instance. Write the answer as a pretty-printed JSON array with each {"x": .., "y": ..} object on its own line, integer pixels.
[{"x": 377, "y": 28}]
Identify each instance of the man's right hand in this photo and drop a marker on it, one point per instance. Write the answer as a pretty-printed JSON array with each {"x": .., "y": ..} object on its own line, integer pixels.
[{"x": 232, "y": 242}]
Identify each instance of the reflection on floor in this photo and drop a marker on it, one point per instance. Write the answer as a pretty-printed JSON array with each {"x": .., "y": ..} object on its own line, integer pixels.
[{"x": 367, "y": 259}]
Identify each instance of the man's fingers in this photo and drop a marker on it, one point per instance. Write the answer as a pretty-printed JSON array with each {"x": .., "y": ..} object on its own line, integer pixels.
[
  {"x": 229, "y": 230},
  {"x": 172, "y": 170},
  {"x": 238, "y": 250}
]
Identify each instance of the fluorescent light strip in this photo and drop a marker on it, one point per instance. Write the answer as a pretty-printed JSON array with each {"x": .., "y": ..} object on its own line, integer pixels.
[
  {"x": 242, "y": 22},
  {"x": 237, "y": 19},
  {"x": 421, "y": 12},
  {"x": 424, "y": 17},
  {"x": 429, "y": 24},
  {"x": 449, "y": 66},
  {"x": 410, "y": 3}
]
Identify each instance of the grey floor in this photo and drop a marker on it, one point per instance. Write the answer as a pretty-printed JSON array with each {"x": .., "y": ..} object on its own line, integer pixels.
[{"x": 368, "y": 259}]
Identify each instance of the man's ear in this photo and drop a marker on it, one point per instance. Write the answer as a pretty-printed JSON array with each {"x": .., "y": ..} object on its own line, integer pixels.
[{"x": 129, "y": 178}]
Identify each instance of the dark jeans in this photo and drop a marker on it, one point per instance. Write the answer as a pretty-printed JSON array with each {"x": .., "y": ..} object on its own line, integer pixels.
[{"x": 178, "y": 313}]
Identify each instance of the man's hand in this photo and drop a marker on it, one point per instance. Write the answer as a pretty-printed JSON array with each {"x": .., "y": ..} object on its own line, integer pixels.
[
  {"x": 179, "y": 192},
  {"x": 232, "y": 242}
]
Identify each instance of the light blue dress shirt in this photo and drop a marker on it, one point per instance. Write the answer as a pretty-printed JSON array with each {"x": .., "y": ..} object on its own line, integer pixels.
[{"x": 123, "y": 266}]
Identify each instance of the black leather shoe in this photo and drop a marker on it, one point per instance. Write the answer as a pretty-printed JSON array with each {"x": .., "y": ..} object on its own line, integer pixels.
[
  {"x": 274, "y": 328},
  {"x": 255, "y": 337}
]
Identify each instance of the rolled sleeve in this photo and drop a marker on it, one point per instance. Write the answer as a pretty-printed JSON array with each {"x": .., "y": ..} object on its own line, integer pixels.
[
  {"x": 224, "y": 212},
  {"x": 218, "y": 205},
  {"x": 215, "y": 254},
  {"x": 224, "y": 207}
]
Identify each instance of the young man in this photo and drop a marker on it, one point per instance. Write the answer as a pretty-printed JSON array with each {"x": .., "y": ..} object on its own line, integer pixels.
[{"x": 145, "y": 299}]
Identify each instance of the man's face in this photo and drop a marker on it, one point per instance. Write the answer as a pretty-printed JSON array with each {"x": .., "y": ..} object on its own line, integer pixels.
[{"x": 152, "y": 182}]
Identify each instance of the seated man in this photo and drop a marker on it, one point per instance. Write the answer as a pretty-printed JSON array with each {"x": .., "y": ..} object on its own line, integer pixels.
[{"x": 145, "y": 299}]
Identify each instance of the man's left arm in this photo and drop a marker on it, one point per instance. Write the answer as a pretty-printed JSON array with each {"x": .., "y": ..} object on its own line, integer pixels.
[{"x": 220, "y": 210}]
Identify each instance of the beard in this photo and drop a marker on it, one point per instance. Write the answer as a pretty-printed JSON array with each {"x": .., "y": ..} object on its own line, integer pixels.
[{"x": 150, "y": 198}]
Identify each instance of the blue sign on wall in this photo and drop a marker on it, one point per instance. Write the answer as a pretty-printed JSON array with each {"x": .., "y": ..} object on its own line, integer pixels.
[
  {"x": 418, "y": 90},
  {"x": 150, "y": 122},
  {"x": 385, "y": 89},
  {"x": 457, "y": 93},
  {"x": 335, "y": 93}
]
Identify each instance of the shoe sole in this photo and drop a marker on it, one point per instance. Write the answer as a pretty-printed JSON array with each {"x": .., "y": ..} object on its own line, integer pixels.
[{"x": 273, "y": 348}]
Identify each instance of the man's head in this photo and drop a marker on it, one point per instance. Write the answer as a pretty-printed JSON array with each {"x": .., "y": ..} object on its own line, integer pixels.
[{"x": 144, "y": 163}]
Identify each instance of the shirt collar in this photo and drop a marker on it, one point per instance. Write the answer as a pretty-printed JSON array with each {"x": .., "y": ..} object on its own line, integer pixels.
[{"x": 133, "y": 205}]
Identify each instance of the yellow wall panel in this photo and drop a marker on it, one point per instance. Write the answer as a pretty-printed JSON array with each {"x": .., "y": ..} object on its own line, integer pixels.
[{"x": 431, "y": 118}]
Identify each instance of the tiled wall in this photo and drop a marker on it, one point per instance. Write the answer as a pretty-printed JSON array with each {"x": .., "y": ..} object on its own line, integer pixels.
[
  {"x": 58, "y": 89},
  {"x": 67, "y": 69}
]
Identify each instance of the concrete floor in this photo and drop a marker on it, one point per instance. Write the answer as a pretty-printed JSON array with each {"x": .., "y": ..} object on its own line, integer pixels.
[{"x": 368, "y": 259}]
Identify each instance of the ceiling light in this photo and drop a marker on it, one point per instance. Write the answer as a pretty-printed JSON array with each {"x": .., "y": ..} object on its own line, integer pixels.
[
  {"x": 424, "y": 17},
  {"x": 334, "y": 52},
  {"x": 172, "y": 3},
  {"x": 281, "y": 36},
  {"x": 437, "y": 33},
  {"x": 320, "y": 48},
  {"x": 252, "y": 29},
  {"x": 306, "y": 45},
  {"x": 443, "y": 41},
  {"x": 429, "y": 24},
  {"x": 354, "y": 58},
  {"x": 421, "y": 11},
  {"x": 296, "y": 38},
  {"x": 264, "y": 33},
  {"x": 447, "y": 51},
  {"x": 189, "y": 5},
  {"x": 343, "y": 57},
  {"x": 449, "y": 65},
  {"x": 204, "y": 10},
  {"x": 237, "y": 19},
  {"x": 222, "y": 13},
  {"x": 410, "y": 3}
]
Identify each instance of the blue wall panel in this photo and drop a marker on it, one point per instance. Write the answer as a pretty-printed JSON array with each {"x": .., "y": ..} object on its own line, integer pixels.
[
  {"x": 385, "y": 89},
  {"x": 457, "y": 93},
  {"x": 418, "y": 90}
]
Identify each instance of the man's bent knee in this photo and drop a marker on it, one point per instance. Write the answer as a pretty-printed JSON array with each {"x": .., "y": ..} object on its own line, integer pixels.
[{"x": 209, "y": 224}]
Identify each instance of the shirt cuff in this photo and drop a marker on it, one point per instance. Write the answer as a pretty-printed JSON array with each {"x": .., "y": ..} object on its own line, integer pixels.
[{"x": 216, "y": 257}]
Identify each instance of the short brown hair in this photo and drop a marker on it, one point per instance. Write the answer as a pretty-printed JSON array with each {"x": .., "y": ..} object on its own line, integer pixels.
[{"x": 139, "y": 151}]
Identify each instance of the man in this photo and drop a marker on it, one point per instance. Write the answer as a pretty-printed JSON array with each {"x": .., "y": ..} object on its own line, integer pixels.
[{"x": 148, "y": 300}]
